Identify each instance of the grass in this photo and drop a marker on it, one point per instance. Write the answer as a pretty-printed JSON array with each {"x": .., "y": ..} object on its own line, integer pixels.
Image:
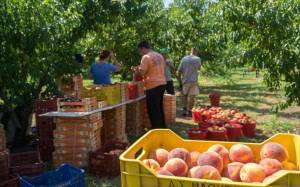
[{"x": 245, "y": 92}]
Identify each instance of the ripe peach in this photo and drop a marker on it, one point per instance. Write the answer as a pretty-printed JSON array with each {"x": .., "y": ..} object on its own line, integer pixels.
[
  {"x": 222, "y": 151},
  {"x": 241, "y": 153},
  {"x": 152, "y": 164},
  {"x": 163, "y": 171},
  {"x": 274, "y": 150},
  {"x": 226, "y": 179},
  {"x": 232, "y": 171},
  {"x": 270, "y": 165},
  {"x": 289, "y": 166},
  {"x": 160, "y": 155},
  {"x": 252, "y": 172},
  {"x": 205, "y": 172},
  {"x": 211, "y": 159},
  {"x": 181, "y": 153},
  {"x": 194, "y": 158},
  {"x": 177, "y": 167}
]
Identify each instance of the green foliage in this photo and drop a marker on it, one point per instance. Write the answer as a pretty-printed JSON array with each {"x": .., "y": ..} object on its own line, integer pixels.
[
  {"x": 269, "y": 32},
  {"x": 38, "y": 43},
  {"x": 39, "y": 39}
]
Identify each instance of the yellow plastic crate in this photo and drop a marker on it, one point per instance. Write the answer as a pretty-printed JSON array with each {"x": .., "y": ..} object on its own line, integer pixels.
[
  {"x": 109, "y": 93},
  {"x": 135, "y": 174}
]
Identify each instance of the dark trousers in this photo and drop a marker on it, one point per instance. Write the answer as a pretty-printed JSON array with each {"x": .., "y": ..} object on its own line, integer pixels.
[
  {"x": 155, "y": 106},
  {"x": 170, "y": 88}
]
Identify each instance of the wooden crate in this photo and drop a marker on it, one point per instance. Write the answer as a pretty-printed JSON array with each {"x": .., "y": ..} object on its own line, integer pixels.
[
  {"x": 71, "y": 86},
  {"x": 170, "y": 109},
  {"x": 133, "y": 119},
  {"x": 124, "y": 91},
  {"x": 146, "y": 124},
  {"x": 140, "y": 88},
  {"x": 85, "y": 105}
]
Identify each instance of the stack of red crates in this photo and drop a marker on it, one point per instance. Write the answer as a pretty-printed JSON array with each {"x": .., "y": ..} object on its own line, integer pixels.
[
  {"x": 146, "y": 124},
  {"x": 45, "y": 127},
  {"x": 4, "y": 165},
  {"x": 134, "y": 123},
  {"x": 4, "y": 157},
  {"x": 105, "y": 161},
  {"x": 6, "y": 179},
  {"x": 26, "y": 163}
]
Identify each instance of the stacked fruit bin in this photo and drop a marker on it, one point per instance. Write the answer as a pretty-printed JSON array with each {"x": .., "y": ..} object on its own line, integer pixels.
[
  {"x": 146, "y": 124},
  {"x": 75, "y": 137},
  {"x": 124, "y": 91},
  {"x": 4, "y": 157},
  {"x": 77, "y": 105},
  {"x": 26, "y": 163},
  {"x": 2, "y": 139},
  {"x": 114, "y": 125},
  {"x": 133, "y": 90},
  {"x": 7, "y": 179},
  {"x": 45, "y": 127},
  {"x": 105, "y": 161},
  {"x": 120, "y": 124},
  {"x": 71, "y": 85},
  {"x": 134, "y": 124},
  {"x": 170, "y": 109},
  {"x": 140, "y": 88}
]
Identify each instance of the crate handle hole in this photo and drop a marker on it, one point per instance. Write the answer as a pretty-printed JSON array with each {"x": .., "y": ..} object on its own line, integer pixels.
[{"x": 138, "y": 153}]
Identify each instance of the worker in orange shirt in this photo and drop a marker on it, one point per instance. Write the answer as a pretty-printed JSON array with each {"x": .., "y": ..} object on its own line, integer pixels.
[{"x": 152, "y": 68}]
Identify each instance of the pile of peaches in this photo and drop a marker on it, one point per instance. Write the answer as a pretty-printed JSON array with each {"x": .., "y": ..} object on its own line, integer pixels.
[
  {"x": 218, "y": 163},
  {"x": 220, "y": 116}
]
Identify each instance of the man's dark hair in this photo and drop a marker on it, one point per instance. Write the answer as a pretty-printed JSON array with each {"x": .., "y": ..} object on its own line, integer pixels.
[
  {"x": 103, "y": 54},
  {"x": 144, "y": 44}
]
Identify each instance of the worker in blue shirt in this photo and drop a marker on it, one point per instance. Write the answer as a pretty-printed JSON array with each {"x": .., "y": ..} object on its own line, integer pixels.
[{"x": 101, "y": 71}]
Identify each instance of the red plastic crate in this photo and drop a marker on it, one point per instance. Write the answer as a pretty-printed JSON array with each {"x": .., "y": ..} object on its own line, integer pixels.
[
  {"x": 197, "y": 117},
  {"x": 215, "y": 99},
  {"x": 197, "y": 134},
  {"x": 12, "y": 181},
  {"x": 26, "y": 163},
  {"x": 133, "y": 90},
  {"x": 217, "y": 135},
  {"x": 234, "y": 132},
  {"x": 105, "y": 163},
  {"x": 249, "y": 129},
  {"x": 137, "y": 76}
]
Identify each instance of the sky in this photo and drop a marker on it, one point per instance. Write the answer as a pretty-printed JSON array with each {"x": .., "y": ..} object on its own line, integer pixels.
[{"x": 167, "y": 2}]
